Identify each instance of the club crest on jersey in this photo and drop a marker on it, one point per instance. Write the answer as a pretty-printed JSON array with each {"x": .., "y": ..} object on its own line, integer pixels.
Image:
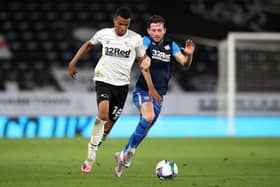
[
  {"x": 117, "y": 52},
  {"x": 128, "y": 44},
  {"x": 167, "y": 47},
  {"x": 160, "y": 55}
]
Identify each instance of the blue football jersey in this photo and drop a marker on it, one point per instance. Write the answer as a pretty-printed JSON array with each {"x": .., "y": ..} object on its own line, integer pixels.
[{"x": 161, "y": 65}]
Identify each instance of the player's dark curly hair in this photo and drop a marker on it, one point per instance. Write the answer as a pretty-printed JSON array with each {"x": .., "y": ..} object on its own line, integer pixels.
[
  {"x": 155, "y": 19},
  {"x": 123, "y": 12}
]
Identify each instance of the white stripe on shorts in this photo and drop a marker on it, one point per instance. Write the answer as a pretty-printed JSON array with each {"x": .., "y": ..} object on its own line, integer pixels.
[{"x": 139, "y": 98}]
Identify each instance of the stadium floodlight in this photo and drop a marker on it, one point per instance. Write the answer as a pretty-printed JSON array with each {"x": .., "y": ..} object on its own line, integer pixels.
[{"x": 249, "y": 63}]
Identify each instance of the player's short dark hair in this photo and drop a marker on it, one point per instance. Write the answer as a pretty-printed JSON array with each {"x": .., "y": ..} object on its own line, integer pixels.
[
  {"x": 155, "y": 19},
  {"x": 123, "y": 12}
]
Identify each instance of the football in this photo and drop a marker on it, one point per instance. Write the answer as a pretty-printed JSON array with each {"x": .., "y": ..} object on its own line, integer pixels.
[{"x": 166, "y": 169}]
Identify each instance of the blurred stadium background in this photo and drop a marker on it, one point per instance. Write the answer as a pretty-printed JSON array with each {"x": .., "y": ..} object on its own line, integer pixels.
[{"x": 38, "y": 38}]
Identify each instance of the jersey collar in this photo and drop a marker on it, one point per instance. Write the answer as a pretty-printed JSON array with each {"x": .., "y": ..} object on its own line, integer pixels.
[{"x": 123, "y": 36}]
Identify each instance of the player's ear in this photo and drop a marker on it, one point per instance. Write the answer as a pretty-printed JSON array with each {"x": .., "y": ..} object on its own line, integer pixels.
[
  {"x": 115, "y": 20},
  {"x": 164, "y": 30},
  {"x": 129, "y": 21},
  {"x": 148, "y": 30}
]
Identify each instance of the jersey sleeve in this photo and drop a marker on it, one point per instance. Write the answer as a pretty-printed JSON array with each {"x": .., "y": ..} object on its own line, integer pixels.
[
  {"x": 96, "y": 38},
  {"x": 140, "y": 48},
  {"x": 175, "y": 48},
  {"x": 146, "y": 41}
]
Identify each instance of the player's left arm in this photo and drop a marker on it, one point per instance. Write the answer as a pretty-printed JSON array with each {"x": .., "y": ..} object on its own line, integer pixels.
[
  {"x": 142, "y": 58},
  {"x": 151, "y": 89},
  {"x": 185, "y": 58},
  {"x": 144, "y": 62}
]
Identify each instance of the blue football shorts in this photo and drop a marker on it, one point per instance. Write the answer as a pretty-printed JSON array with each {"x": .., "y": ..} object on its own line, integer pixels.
[{"x": 141, "y": 96}]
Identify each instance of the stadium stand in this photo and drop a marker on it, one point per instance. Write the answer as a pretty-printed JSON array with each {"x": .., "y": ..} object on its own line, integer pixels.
[
  {"x": 43, "y": 35},
  {"x": 40, "y": 36}
]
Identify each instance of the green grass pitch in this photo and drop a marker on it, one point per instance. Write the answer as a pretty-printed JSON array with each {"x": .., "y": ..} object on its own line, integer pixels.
[{"x": 205, "y": 162}]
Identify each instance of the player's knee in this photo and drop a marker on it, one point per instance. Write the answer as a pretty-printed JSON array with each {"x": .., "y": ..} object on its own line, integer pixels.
[
  {"x": 103, "y": 116},
  {"x": 149, "y": 116}
]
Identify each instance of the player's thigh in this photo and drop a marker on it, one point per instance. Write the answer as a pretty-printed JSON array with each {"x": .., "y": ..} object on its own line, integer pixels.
[
  {"x": 147, "y": 111},
  {"x": 144, "y": 104},
  {"x": 103, "y": 97},
  {"x": 139, "y": 97},
  {"x": 119, "y": 95}
]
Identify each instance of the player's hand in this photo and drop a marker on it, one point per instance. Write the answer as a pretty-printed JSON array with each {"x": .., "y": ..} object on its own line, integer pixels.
[
  {"x": 146, "y": 63},
  {"x": 189, "y": 47},
  {"x": 155, "y": 95},
  {"x": 72, "y": 71}
]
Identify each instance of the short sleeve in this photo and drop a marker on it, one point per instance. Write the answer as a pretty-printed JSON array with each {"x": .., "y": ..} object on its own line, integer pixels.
[
  {"x": 146, "y": 41},
  {"x": 96, "y": 38},
  {"x": 140, "y": 48},
  {"x": 175, "y": 48}
]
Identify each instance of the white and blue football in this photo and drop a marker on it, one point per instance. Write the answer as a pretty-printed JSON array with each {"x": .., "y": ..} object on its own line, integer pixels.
[{"x": 166, "y": 169}]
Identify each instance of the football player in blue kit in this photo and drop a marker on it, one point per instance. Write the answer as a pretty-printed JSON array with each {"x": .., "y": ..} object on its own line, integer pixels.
[{"x": 163, "y": 52}]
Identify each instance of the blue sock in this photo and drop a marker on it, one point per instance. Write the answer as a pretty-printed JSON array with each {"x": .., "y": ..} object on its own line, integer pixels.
[{"x": 139, "y": 134}]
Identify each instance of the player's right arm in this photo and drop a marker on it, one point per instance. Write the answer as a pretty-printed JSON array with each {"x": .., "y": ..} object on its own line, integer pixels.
[{"x": 85, "y": 48}]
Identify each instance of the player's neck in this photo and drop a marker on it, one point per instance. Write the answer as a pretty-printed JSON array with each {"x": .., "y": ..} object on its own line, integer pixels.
[
  {"x": 159, "y": 42},
  {"x": 120, "y": 35}
]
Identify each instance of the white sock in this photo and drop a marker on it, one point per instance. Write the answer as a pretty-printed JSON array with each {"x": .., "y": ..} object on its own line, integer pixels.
[
  {"x": 97, "y": 133},
  {"x": 130, "y": 149},
  {"x": 91, "y": 152}
]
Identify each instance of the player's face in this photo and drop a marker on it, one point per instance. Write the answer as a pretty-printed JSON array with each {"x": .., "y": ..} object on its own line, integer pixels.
[
  {"x": 121, "y": 25},
  {"x": 156, "y": 31}
]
